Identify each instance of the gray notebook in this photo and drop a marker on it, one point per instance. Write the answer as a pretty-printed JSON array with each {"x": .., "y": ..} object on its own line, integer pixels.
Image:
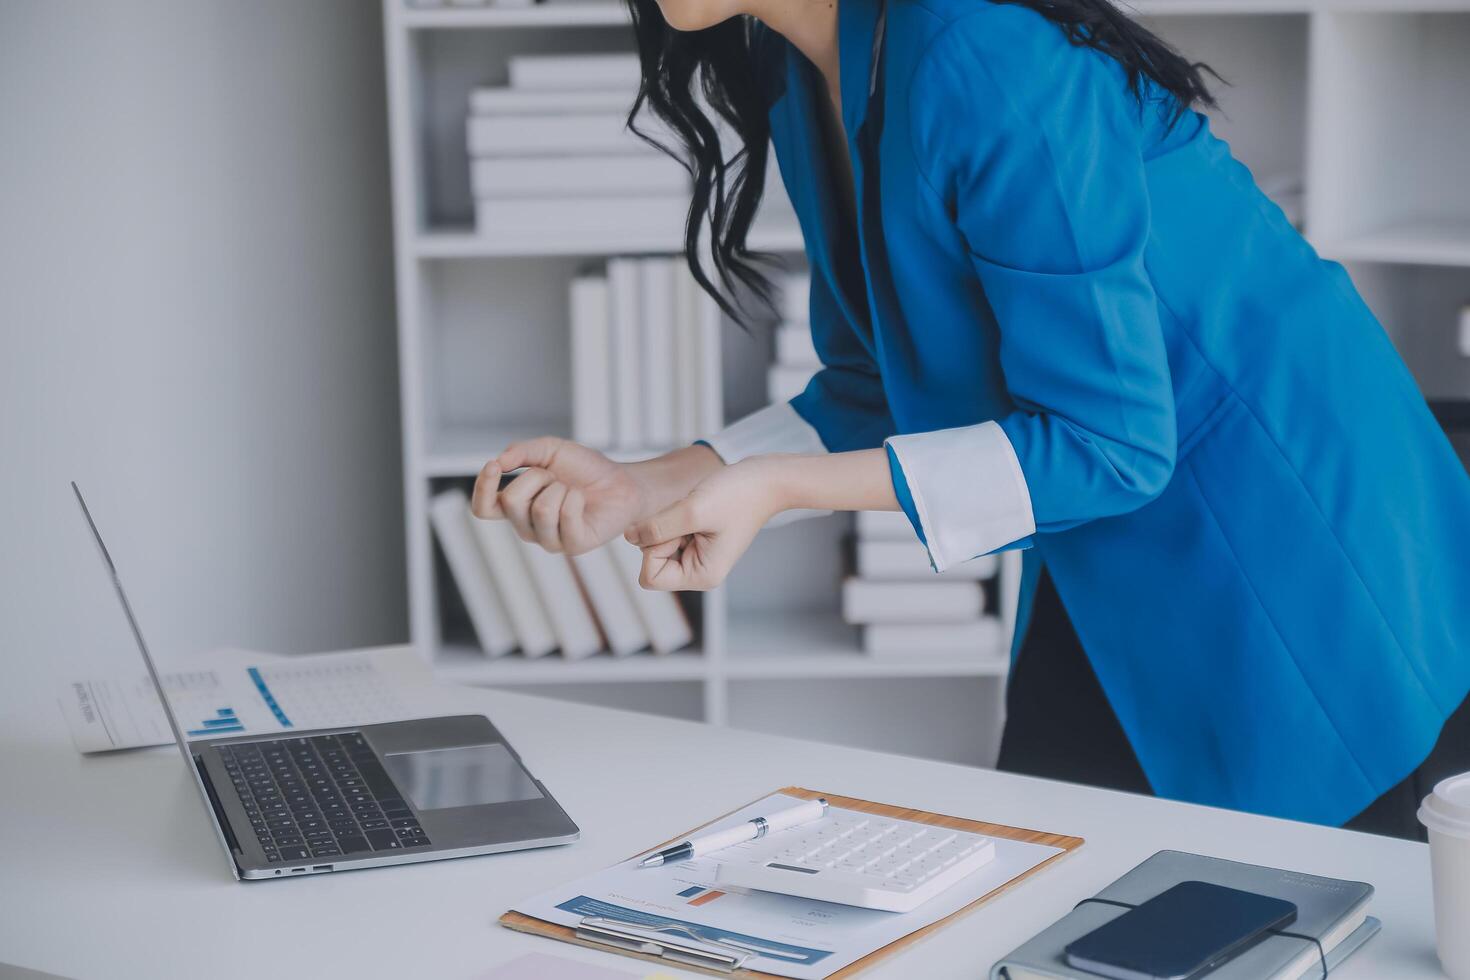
[{"x": 1331, "y": 910}]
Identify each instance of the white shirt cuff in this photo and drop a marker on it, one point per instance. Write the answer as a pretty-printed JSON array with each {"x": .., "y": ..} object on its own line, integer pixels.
[
  {"x": 968, "y": 489},
  {"x": 773, "y": 429}
]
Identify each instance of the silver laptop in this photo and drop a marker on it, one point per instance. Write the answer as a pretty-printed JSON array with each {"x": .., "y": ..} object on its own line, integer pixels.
[{"x": 337, "y": 799}]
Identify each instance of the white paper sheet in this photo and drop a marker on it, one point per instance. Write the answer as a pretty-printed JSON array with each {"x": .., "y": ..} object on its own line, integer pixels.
[
  {"x": 791, "y": 937},
  {"x": 244, "y": 693}
]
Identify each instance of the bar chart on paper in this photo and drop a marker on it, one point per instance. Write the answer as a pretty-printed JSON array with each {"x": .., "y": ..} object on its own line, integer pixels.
[
  {"x": 224, "y": 722},
  {"x": 273, "y": 694}
]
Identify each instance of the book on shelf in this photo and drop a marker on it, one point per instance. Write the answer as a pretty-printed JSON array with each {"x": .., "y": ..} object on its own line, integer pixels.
[
  {"x": 552, "y": 157},
  {"x": 689, "y": 375},
  {"x": 978, "y": 639},
  {"x": 503, "y": 100},
  {"x": 528, "y": 221},
  {"x": 910, "y": 560},
  {"x": 559, "y": 72},
  {"x": 502, "y": 554},
  {"x": 561, "y": 596},
  {"x": 594, "y": 176},
  {"x": 591, "y": 348},
  {"x": 645, "y": 356},
  {"x": 667, "y": 624},
  {"x": 602, "y": 579},
  {"x": 656, "y": 348},
  {"x": 884, "y": 525},
  {"x": 784, "y": 381},
  {"x": 708, "y": 380},
  {"x": 449, "y": 514},
  {"x": 624, "y": 317},
  {"x": 866, "y": 601},
  {"x": 586, "y": 133}
]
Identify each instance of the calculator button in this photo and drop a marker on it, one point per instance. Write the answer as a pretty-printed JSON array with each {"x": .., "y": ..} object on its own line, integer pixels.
[{"x": 870, "y": 862}]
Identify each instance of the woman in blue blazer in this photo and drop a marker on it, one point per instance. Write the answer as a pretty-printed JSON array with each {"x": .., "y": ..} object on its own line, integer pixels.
[{"x": 1056, "y": 314}]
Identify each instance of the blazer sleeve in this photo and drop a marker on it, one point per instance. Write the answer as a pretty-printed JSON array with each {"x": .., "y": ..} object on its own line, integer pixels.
[
  {"x": 842, "y": 408},
  {"x": 1036, "y": 148}
]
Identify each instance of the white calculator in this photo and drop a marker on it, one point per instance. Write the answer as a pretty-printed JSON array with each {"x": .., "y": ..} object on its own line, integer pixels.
[{"x": 854, "y": 858}]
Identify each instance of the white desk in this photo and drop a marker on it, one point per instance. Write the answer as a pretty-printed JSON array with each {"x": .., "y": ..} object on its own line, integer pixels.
[{"x": 108, "y": 867}]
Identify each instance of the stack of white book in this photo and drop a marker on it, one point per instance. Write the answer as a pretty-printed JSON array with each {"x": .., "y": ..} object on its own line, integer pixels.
[
  {"x": 521, "y": 597},
  {"x": 796, "y": 356},
  {"x": 904, "y": 608},
  {"x": 645, "y": 356},
  {"x": 552, "y": 157}
]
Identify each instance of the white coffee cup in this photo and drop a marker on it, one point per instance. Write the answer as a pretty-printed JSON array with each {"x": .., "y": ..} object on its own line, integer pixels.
[{"x": 1446, "y": 813}]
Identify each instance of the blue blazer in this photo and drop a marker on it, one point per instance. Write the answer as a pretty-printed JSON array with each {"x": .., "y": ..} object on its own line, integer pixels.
[{"x": 1259, "y": 531}]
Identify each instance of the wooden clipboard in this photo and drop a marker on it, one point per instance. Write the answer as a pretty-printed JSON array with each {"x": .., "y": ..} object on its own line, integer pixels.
[{"x": 540, "y": 927}]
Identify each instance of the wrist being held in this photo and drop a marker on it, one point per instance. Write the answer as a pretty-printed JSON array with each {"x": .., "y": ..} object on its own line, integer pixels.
[
  {"x": 571, "y": 498},
  {"x": 694, "y": 543},
  {"x": 666, "y": 479}
]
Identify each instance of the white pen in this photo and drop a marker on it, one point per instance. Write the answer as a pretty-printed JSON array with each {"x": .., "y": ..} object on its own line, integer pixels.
[{"x": 749, "y": 830}]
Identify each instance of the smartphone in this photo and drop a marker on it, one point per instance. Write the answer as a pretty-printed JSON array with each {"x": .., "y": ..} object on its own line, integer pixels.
[{"x": 1180, "y": 933}]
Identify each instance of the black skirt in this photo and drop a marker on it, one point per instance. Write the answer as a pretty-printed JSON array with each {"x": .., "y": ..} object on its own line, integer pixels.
[{"x": 1059, "y": 725}]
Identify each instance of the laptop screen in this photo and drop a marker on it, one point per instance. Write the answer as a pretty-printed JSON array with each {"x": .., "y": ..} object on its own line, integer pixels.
[{"x": 173, "y": 722}]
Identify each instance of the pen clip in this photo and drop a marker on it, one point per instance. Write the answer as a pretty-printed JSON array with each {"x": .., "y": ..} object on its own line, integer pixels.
[{"x": 686, "y": 946}]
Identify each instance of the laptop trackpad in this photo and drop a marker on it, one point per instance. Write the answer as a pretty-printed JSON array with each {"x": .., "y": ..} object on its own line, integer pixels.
[{"x": 474, "y": 775}]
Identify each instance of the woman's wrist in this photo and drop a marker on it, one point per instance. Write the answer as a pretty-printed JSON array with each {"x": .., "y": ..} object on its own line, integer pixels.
[
  {"x": 838, "y": 481},
  {"x": 667, "y": 479}
]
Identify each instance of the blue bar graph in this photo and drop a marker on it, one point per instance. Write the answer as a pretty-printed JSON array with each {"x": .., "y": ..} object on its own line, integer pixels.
[
  {"x": 224, "y": 721},
  {"x": 268, "y": 697}
]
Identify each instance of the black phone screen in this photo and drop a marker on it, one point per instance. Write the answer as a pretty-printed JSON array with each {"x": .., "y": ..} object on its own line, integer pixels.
[{"x": 1179, "y": 933}]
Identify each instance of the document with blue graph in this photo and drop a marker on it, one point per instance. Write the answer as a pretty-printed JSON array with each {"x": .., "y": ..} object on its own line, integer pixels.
[
  {"x": 242, "y": 693},
  {"x": 780, "y": 935}
]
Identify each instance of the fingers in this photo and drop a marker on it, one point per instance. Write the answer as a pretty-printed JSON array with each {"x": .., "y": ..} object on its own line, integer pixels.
[
  {"x": 664, "y": 566},
  {"x": 516, "y": 499},
  {"x": 485, "y": 503},
  {"x": 576, "y": 536},
  {"x": 673, "y": 522},
  {"x": 532, "y": 452},
  {"x": 546, "y": 516}
]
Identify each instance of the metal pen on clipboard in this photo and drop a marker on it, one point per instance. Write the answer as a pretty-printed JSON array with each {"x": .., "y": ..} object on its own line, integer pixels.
[{"x": 701, "y": 844}]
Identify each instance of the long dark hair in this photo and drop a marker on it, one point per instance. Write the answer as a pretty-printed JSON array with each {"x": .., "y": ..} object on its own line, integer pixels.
[{"x": 721, "y": 62}]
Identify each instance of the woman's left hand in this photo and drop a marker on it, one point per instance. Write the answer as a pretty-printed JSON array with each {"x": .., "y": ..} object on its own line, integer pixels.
[{"x": 694, "y": 543}]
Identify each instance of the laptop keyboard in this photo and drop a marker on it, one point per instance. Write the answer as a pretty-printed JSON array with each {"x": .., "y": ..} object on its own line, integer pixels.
[{"x": 323, "y": 796}]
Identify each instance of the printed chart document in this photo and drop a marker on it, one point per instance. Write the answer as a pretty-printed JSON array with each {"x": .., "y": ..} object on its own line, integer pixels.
[
  {"x": 239, "y": 692},
  {"x": 790, "y": 937}
]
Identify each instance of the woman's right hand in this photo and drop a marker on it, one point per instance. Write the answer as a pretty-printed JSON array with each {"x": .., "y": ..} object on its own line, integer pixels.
[{"x": 572, "y": 499}]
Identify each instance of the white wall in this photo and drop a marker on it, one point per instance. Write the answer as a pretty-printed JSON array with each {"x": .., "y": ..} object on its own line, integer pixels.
[{"x": 196, "y": 324}]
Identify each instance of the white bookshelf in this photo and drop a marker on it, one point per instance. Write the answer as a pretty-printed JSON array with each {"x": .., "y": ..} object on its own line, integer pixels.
[{"x": 1359, "y": 98}]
